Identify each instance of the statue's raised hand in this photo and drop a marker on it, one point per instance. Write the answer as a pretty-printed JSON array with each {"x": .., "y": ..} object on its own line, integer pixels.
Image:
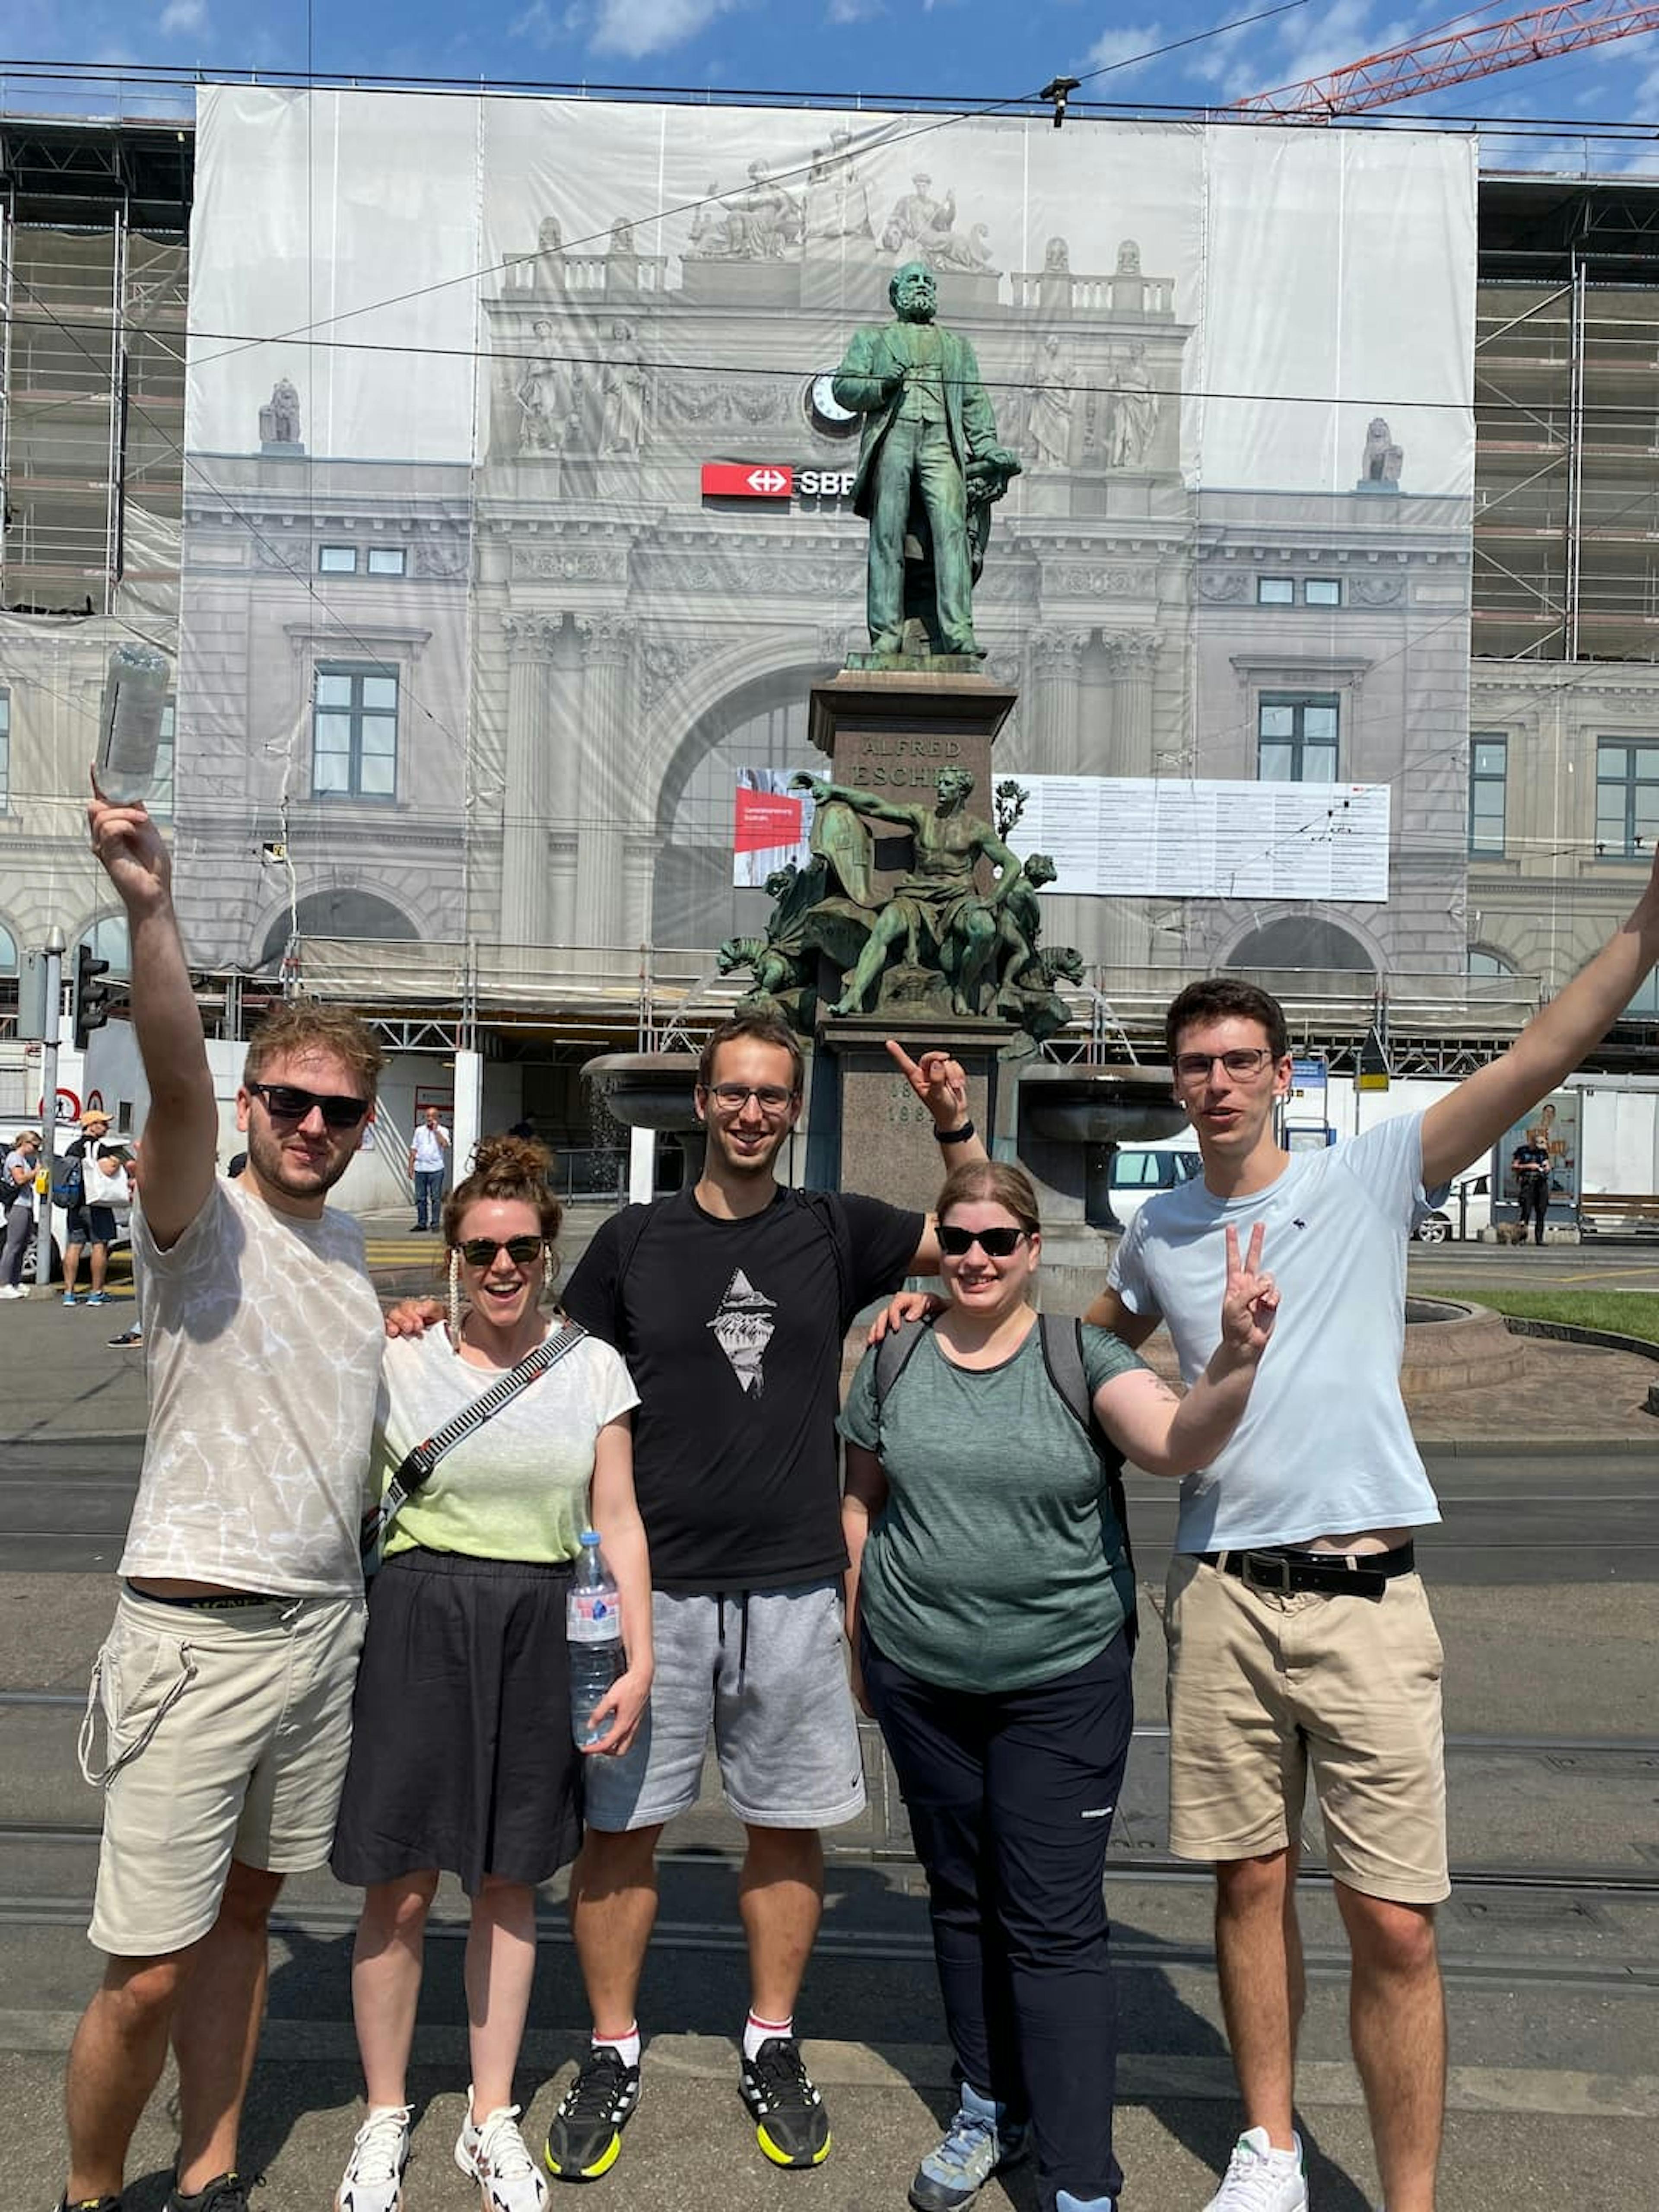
[{"x": 817, "y": 786}]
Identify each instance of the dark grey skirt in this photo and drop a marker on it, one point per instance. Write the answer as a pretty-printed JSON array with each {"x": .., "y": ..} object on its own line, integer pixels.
[{"x": 461, "y": 1750}]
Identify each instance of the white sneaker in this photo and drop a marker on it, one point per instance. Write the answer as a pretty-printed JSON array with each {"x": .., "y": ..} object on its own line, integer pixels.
[
  {"x": 1260, "y": 2179},
  {"x": 12, "y": 1291},
  {"x": 374, "y": 2179},
  {"x": 493, "y": 2154}
]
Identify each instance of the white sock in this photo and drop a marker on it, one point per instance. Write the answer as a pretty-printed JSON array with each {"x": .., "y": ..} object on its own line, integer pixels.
[
  {"x": 627, "y": 2047},
  {"x": 756, "y": 2031}
]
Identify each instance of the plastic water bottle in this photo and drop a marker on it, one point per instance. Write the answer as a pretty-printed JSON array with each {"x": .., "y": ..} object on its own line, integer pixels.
[{"x": 593, "y": 1626}]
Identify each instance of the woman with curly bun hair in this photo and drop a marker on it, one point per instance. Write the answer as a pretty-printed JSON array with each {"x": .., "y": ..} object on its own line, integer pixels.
[{"x": 462, "y": 1756}]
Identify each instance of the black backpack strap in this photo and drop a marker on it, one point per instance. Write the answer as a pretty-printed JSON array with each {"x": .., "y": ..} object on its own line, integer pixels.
[
  {"x": 893, "y": 1357},
  {"x": 833, "y": 1216},
  {"x": 1061, "y": 1339},
  {"x": 631, "y": 1225}
]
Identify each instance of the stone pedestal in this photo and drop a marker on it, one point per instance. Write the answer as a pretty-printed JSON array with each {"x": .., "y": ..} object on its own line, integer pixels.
[
  {"x": 891, "y": 730},
  {"x": 870, "y": 1131}
]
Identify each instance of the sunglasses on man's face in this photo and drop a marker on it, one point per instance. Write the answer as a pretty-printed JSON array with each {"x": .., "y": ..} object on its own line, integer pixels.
[
  {"x": 480, "y": 1251},
  {"x": 286, "y": 1102},
  {"x": 996, "y": 1243}
]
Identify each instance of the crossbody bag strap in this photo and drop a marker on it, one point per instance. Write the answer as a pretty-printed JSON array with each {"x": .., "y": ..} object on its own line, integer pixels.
[{"x": 418, "y": 1464}]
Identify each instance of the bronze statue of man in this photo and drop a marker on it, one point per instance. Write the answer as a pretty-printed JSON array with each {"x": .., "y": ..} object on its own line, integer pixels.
[
  {"x": 935, "y": 917},
  {"x": 926, "y": 418}
]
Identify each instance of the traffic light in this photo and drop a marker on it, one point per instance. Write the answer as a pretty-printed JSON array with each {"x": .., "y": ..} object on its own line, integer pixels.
[{"x": 89, "y": 999}]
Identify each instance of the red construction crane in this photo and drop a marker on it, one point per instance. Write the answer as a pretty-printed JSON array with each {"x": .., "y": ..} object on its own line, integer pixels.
[{"x": 1453, "y": 54}]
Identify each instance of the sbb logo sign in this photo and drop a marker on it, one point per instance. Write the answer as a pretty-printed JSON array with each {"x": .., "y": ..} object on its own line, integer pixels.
[{"x": 773, "y": 480}]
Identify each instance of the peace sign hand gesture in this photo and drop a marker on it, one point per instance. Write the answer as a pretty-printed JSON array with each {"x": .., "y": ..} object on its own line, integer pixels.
[{"x": 1249, "y": 1305}]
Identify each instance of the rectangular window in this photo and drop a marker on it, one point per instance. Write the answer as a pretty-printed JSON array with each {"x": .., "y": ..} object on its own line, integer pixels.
[
  {"x": 5, "y": 751},
  {"x": 1323, "y": 592},
  {"x": 1488, "y": 777},
  {"x": 159, "y": 801},
  {"x": 1295, "y": 737},
  {"x": 387, "y": 560},
  {"x": 337, "y": 560},
  {"x": 354, "y": 752},
  {"x": 1627, "y": 798},
  {"x": 1275, "y": 592}
]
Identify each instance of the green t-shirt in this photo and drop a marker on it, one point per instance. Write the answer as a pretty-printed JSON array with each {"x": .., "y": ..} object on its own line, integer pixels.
[{"x": 996, "y": 1562}]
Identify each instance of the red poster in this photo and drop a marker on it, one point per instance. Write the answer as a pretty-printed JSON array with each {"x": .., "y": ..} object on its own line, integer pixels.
[
  {"x": 748, "y": 479},
  {"x": 766, "y": 818}
]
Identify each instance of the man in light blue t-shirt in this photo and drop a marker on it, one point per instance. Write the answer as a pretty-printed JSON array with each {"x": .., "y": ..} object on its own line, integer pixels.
[{"x": 1300, "y": 1639}]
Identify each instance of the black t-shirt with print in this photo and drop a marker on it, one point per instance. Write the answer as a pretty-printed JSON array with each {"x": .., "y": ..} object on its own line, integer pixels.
[{"x": 732, "y": 1332}]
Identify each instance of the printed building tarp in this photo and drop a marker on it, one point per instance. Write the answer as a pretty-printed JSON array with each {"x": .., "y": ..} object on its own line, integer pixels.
[{"x": 518, "y": 529}]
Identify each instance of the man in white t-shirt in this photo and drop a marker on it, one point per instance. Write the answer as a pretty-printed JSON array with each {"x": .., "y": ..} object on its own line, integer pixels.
[
  {"x": 428, "y": 1152},
  {"x": 226, "y": 1681},
  {"x": 1300, "y": 1639}
]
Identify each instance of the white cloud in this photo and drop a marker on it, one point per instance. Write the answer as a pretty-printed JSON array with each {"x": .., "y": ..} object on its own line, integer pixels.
[
  {"x": 852, "y": 11},
  {"x": 638, "y": 27},
  {"x": 183, "y": 15},
  {"x": 1112, "y": 47},
  {"x": 545, "y": 26}
]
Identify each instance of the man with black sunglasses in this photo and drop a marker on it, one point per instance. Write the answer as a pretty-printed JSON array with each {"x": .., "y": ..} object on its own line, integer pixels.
[
  {"x": 730, "y": 1302},
  {"x": 1301, "y": 1643},
  {"x": 226, "y": 1682}
]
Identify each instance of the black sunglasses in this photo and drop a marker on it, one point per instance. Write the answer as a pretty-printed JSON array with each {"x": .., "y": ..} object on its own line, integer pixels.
[
  {"x": 996, "y": 1243},
  {"x": 286, "y": 1102},
  {"x": 480, "y": 1251}
]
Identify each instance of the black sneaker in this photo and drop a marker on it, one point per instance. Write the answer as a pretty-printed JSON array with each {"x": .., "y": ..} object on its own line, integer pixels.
[
  {"x": 89, "y": 2204},
  {"x": 790, "y": 2122},
  {"x": 586, "y": 2137},
  {"x": 227, "y": 2192}
]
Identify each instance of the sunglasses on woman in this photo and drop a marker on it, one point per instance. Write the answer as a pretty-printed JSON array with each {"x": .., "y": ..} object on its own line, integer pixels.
[
  {"x": 480, "y": 1251},
  {"x": 996, "y": 1243}
]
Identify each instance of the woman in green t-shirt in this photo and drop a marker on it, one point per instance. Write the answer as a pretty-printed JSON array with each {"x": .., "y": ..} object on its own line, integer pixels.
[
  {"x": 986, "y": 1601},
  {"x": 462, "y": 1757}
]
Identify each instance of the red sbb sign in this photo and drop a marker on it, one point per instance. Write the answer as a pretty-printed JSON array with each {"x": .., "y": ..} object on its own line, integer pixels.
[{"x": 747, "y": 480}]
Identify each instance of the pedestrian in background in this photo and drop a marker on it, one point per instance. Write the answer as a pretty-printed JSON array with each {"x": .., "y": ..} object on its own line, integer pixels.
[
  {"x": 90, "y": 1224},
  {"x": 17, "y": 1210},
  {"x": 428, "y": 1155}
]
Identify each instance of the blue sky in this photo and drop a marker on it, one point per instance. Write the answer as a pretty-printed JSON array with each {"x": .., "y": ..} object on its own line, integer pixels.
[{"x": 944, "y": 48}]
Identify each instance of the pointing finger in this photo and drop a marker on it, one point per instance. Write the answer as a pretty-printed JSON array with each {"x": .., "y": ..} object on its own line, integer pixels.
[{"x": 904, "y": 1058}]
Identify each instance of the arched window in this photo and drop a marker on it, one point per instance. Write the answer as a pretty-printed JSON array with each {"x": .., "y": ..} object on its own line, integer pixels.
[
  {"x": 8, "y": 952},
  {"x": 341, "y": 912},
  {"x": 109, "y": 940},
  {"x": 1482, "y": 963},
  {"x": 1301, "y": 941}
]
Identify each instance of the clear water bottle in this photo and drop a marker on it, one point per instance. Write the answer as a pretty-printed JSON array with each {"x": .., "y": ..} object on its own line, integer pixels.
[{"x": 593, "y": 1626}]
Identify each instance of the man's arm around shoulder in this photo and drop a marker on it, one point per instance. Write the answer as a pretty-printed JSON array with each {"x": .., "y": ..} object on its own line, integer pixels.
[{"x": 181, "y": 1131}]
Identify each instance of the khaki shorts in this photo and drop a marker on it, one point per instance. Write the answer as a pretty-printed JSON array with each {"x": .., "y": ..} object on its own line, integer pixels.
[
  {"x": 227, "y": 1734},
  {"x": 1264, "y": 1687}
]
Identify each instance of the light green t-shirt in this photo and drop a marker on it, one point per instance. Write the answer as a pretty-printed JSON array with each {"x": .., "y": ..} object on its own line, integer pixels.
[
  {"x": 996, "y": 1562},
  {"x": 518, "y": 1487}
]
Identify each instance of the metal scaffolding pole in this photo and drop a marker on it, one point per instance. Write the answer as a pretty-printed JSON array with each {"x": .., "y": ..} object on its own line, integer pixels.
[{"x": 1575, "y": 454}]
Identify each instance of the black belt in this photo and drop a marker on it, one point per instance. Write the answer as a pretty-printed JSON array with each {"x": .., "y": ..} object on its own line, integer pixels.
[
  {"x": 220, "y": 1601},
  {"x": 1336, "y": 1574}
]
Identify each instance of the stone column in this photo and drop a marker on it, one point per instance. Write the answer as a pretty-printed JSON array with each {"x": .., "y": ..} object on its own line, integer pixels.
[
  {"x": 525, "y": 918},
  {"x": 1057, "y": 744},
  {"x": 607, "y": 665},
  {"x": 1125, "y": 934}
]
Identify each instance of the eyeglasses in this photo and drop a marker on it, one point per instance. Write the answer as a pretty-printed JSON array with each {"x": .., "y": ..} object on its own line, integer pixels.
[
  {"x": 772, "y": 1098},
  {"x": 480, "y": 1251},
  {"x": 1195, "y": 1066},
  {"x": 996, "y": 1243},
  {"x": 286, "y": 1102}
]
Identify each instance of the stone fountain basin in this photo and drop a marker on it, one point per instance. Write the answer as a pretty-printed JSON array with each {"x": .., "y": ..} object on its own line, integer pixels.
[
  {"x": 647, "y": 1090},
  {"x": 1080, "y": 1105},
  {"x": 1450, "y": 1346}
]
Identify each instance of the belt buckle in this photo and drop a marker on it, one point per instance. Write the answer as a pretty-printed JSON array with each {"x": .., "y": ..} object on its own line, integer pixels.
[{"x": 1257, "y": 1564}]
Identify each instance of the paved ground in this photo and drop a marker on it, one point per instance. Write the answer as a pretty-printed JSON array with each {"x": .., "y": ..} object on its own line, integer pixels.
[{"x": 1544, "y": 1571}]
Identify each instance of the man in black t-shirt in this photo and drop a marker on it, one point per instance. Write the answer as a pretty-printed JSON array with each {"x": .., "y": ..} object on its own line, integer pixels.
[
  {"x": 1530, "y": 1164},
  {"x": 730, "y": 1302}
]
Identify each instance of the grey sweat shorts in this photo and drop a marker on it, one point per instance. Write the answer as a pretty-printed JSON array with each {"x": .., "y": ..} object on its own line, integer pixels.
[{"x": 767, "y": 1670}]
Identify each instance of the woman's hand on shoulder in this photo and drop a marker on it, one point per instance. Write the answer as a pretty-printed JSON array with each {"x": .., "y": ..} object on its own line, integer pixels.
[
  {"x": 413, "y": 1316},
  {"x": 1249, "y": 1305},
  {"x": 906, "y": 1305},
  {"x": 626, "y": 1700}
]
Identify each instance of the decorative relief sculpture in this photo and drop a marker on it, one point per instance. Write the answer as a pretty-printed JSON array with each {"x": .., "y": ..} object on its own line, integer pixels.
[
  {"x": 625, "y": 390},
  {"x": 1131, "y": 409},
  {"x": 548, "y": 395},
  {"x": 1051, "y": 425},
  {"x": 922, "y": 226},
  {"x": 837, "y": 202}
]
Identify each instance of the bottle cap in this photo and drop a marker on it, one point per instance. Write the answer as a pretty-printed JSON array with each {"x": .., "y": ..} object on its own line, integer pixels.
[{"x": 590, "y": 1536}]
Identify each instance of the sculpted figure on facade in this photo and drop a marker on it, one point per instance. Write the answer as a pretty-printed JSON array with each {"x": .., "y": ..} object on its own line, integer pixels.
[
  {"x": 927, "y": 226},
  {"x": 760, "y": 221},
  {"x": 548, "y": 394},
  {"x": 1132, "y": 413},
  {"x": 279, "y": 418},
  {"x": 1128, "y": 258},
  {"x": 1384, "y": 460},
  {"x": 929, "y": 465},
  {"x": 624, "y": 387},
  {"x": 1057, "y": 257},
  {"x": 837, "y": 202},
  {"x": 1051, "y": 425}
]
